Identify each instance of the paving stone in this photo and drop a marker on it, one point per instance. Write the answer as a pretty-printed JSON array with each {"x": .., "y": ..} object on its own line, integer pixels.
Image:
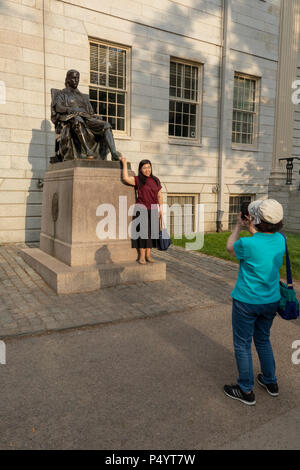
[{"x": 28, "y": 305}]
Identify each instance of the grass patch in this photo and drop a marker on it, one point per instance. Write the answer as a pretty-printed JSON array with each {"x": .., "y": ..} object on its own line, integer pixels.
[{"x": 215, "y": 245}]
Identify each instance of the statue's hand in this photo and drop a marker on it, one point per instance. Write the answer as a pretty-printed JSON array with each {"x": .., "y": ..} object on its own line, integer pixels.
[
  {"x": 74, "y": 111},
  {"x": 82, "y": 114}
]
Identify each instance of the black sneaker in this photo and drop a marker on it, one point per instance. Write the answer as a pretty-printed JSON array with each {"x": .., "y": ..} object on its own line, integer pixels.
[
  {"x": 272, "y": 389},
  {"x": 234, "y": 391}
]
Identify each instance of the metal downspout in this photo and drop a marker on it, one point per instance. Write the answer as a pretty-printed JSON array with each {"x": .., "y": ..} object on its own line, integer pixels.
[{"x": 225, "y": 79}]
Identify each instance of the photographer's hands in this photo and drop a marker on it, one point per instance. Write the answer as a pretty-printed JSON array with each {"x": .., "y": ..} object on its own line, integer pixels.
[
  {"x": 241, "y": 224},
  {"x": 248, "y": 223}
]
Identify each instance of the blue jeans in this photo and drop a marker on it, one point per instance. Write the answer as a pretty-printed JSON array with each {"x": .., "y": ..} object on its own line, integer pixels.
[{"x": 253, "y": 321}]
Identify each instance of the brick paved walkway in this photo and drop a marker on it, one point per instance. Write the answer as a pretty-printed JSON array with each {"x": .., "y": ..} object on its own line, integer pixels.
[
  {"x": 194, "y": 281},
  {"x": 30, "y": 306}
]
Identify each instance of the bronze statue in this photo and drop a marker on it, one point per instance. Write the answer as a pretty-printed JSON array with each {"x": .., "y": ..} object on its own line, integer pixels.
[{"x": 81, "y": 133}]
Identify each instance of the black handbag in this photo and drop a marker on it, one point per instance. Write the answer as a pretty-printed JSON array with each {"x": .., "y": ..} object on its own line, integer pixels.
[{"x": 164, "y": 239}]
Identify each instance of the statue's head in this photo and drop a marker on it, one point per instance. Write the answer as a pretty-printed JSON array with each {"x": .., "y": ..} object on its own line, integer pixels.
[{"x": 72, "y": 78}]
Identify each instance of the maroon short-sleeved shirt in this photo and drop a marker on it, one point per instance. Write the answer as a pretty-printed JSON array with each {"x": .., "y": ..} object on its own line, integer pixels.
[{"x": 147, "y": 194}]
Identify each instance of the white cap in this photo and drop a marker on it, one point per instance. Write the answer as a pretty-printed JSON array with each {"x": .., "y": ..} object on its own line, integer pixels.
[{"x": 267, "y": 210}]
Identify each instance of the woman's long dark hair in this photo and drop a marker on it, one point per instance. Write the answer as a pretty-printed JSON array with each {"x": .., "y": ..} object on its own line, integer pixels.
[{"x": 143, "y": 178}]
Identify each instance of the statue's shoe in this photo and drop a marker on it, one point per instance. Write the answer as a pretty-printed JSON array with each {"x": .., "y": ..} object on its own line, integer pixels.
[{"x": 116, "y": 156}]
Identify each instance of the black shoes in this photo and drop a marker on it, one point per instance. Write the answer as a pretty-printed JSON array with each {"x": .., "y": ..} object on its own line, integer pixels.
[
  {"x": 234, "y": 391},
  {"x": 272, "y": 389}
]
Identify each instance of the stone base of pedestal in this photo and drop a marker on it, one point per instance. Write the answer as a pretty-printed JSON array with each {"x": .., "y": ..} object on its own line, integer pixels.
[{"x": 66, "y": 279}]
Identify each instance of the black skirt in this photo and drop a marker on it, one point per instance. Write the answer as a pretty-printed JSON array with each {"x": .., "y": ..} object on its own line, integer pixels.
[{"x": 148, "y": 234}]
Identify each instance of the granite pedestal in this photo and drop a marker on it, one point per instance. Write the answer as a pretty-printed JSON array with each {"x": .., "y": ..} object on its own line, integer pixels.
[{"x": 72, "y": 258}]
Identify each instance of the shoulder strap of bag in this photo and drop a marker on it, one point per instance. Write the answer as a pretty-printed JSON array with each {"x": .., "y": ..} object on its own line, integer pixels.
[{"x": 289, "y": 279}]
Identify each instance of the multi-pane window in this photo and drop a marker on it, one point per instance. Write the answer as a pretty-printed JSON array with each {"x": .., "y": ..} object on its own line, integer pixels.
[
  {"x": 235, "y": 205},
  {"x": 108, "y": 83},
  {"x": 244, "y": 119},
  {"x": 182, "y": 216},
  {"x": 184, "y": 100}
]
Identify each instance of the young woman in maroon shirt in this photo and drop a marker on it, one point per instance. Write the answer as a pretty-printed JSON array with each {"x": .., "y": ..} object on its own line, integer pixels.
[{"x": 149, "y": 196}]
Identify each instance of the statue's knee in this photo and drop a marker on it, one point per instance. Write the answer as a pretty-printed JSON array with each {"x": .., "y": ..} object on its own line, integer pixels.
[{"x": 107, "y": 126}]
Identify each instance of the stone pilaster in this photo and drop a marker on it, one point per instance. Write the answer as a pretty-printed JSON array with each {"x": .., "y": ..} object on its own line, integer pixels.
[
  {"x": 287, "y": 72},
  {"x": 285, "y": 109}
]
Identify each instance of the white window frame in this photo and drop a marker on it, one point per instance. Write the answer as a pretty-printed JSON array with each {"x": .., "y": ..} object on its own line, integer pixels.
[
  {"x": 254, "y": 145},
  {"x": 195, "y": 197},
  {"x": 127, "y": 128},
  {"x": 198, "y": 102}
]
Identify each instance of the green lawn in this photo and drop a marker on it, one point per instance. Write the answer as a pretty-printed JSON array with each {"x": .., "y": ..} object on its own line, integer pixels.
[{"x": 215, "y": 245}]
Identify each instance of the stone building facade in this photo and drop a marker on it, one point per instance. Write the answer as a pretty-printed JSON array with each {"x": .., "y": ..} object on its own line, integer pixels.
[{"x": 191, "y": 85}]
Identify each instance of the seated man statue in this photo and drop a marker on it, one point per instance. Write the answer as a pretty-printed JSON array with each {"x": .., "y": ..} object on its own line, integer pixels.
[{"x": 82, "y": 133}]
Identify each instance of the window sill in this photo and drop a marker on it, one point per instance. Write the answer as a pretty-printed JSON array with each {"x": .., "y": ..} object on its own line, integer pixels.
[
  {"x": 245, "y": 148},
  {"x": 185, "y": 143},
  {"x": 122, "y": 137}
]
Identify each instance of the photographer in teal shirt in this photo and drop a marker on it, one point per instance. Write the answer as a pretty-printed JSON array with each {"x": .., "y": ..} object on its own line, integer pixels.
[
  {"x": 256, "y": 296},
  {"x": 261, "y": 258}
]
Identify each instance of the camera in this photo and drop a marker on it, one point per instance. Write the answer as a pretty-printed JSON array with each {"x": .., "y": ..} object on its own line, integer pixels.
[{"x": 244, "y": 210}]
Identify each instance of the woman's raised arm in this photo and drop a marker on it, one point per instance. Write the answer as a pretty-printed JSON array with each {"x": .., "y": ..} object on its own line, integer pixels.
[{"x": 127, "y": 179}]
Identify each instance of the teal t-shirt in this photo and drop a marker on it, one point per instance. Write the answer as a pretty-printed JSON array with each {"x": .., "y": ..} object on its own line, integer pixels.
[{"x": 261, "y": 257}]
